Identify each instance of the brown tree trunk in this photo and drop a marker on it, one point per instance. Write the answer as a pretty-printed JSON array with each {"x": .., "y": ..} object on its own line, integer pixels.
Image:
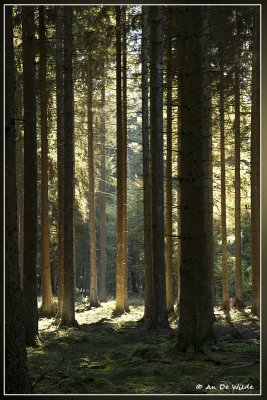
[
  {"x": 102, "y": 244},
  {"x": 238, "y": 270},
  {"x": 168, "y": 248},
  {"x": 60, "y": 156},
  {"x": 225, "y": 289},
  {"x": 255, "y": 166},
  {"x": 91, "y": 200},
  {"x": 196, "y": 311},
  {"x": 16, "y": 371},
  {"x": 148, "y": 313},
  {"x": 47, "y": 299},
  {"x": 156, "y": 126},
  {"x": 68, "y": 310},
  {"x": 30, "y": 174}
]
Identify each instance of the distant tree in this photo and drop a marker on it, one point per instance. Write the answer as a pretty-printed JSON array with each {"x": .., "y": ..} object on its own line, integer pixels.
[
  {"x": 196, "y": 311},
  {"x": 68, "y": 310},
  {"x": 47, "y": 299},
  {"x": 255, "y": 164},
  {"x": 159, "y": 313},
  {"x": 30, "y": 174},
  {"x": 16, "y": 372},
  {"x": 93, "y": 295}
]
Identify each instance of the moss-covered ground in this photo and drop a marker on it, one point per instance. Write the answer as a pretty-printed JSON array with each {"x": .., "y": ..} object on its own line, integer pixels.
[{"x": 121, "y": 355}]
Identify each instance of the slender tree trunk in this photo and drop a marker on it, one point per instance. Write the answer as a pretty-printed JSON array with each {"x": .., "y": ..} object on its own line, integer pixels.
[
  {"x": 255, "y": 165},
  {"x": 60, "y": 156},
  {"x": 238, "y": 270},
  {"x": 225, "y": 289},
  {"x": 16, "y": 371},
  {"x": 121, "y": 289},
  {"x": 30, "y": 183},
  {"x": 47, "y": 299},
  {"x": 148, "y": 313},
  {"x": 103, "y": 273},
  {"x": 196, "y": 312},
  {"x": 169, "y": 283},
  {"x": 68, "y": 311},
  {"x": 91, "y": 201},
  {"x": 156, "y": 126}
]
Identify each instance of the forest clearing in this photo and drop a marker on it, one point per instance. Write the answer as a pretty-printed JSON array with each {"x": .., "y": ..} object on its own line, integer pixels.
[
  {"x": 132, "y": 199},
  {"x": 107, "y": 355}
]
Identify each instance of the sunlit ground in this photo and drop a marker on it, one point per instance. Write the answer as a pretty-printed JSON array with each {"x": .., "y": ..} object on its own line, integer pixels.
[{"x": 120, "y": 355}]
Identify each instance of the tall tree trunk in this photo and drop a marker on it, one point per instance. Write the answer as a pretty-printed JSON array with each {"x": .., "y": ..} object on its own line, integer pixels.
[
  {"x": 169, "y": 283},
  {"x": 196, "y": 312},
  {"x": 68, "y": 311},
  {"x": 238, "y": 268},
  {"x": 121, "y": 275},
  {"x": 47, "y": 299},
  {"x": 156, "y": 126},
  {"x": 91, "y": 200},
  {"x": 102, "y": 244},
  {"x": 148, "y": 313},
  {"x": 225, "y": 289},
  {"x": 255, "y": 165},
  {"x": 60, "y": 156},
  {"x": 30, "y": 174},
  {"x": 16, "y": 372}
]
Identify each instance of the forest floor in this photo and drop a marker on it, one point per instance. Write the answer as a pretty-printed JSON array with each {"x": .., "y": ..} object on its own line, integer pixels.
[{"x": 108, "y": 355}]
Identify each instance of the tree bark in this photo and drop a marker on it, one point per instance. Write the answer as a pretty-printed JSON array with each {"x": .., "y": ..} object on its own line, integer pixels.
[
  {"x": 148, "y": 312},
  {"x": 196, "y": 311},
  {"x": 255, "y": 165},
  {"x": 30, "y": 183},
  {"x": 60, "y": 156},
  {"x": 168, "y": 248},
  {"x": 91, "y": 200},
  {"x": 68, "y": 310},
  {"x": 47, "y": 299},
  {"x": 16, "y": 371},
  {"x": 156, "y": 126},
  {"x": 102, "y": 244}
]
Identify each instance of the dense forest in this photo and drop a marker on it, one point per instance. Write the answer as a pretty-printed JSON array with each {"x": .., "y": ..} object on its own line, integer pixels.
[{"x": 132, "y": 199}]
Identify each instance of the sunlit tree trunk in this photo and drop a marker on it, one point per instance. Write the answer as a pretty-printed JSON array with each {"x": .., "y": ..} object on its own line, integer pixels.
[
  {"x": 168, "y": 248},
  {"x": 238, "y": 270},
  {"x": 60, "y": 155},
  {"x": 102, "y": 244},
  {"x": 47, "y": 300},
  {"x": 156, "y": 126},
  {"x": 68, "y": 310},
  {"x": 93, "y": 295},
  {"x": 16, "y": 372},
  {"x": 196, "y": 312},
  {"x": 255, "y": 165},
  {"x": 30, "y": 171},
  {"x": 146, "y": 171},
  {"x": 225, "y": 289}
]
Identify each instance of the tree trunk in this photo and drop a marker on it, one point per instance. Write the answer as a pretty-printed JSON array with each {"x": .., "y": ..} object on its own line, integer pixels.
[
  {"x": 255, "y": 166},
  {"x": 196, "y": 311},
  {"x": 60, "y": 156},
  {"x": 47, "y": 299},
  {"x": 91, "y": 200},
  {"x": 168, "y": 257},
  {"x": 121, "y": 275},
  {"x": 30, "y": 174},
  {"x": 225, "y": 290},
  {"x": 68, "y": 311},
  {"x": 156, "y": 126},
  {"x": 238, "y": 267},
  {"x": 148, "y": 313},
  {"x": 16, "y": 372},
  {"x": 102, "y": 244}
]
